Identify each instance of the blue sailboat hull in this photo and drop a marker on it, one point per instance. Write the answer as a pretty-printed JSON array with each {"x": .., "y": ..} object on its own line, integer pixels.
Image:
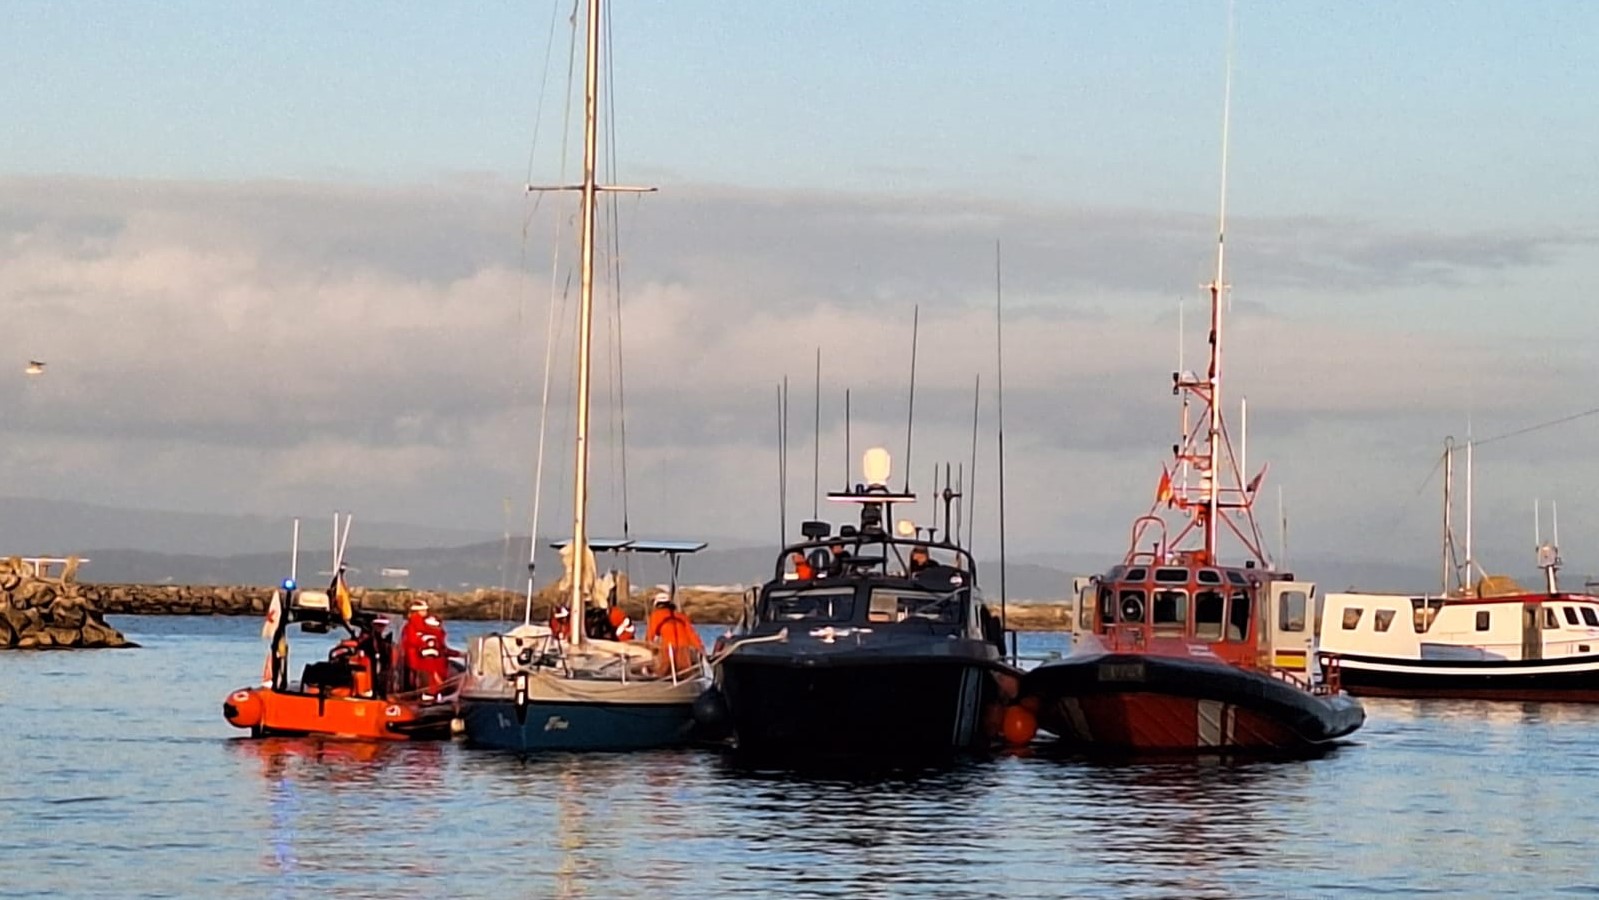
[{"x": 547, "y": 725}]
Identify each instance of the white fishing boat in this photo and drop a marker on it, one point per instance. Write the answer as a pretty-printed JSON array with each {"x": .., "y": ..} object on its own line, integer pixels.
[{"x": 1481, "y": 637}]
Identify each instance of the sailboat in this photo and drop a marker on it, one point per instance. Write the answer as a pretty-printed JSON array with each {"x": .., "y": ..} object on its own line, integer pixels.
[
  {"x": 530, "y": 690},
  {"x": 1175, "y": 650}
]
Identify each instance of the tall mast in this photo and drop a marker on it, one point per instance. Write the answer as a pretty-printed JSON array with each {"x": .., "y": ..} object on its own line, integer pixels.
[
  {"x": 1217, "y": 286},
  {"x": 1449, "y": 488},
  {"x": 580, "y": 472}
]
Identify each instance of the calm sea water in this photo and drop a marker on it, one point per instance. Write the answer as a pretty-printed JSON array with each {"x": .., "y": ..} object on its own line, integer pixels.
[{"x": 122, "y": 779}]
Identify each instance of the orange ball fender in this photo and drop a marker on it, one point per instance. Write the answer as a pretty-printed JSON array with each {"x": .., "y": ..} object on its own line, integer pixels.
[
  {"x": 243, "y": 709},
  {"x": 1020, "y": 726}
]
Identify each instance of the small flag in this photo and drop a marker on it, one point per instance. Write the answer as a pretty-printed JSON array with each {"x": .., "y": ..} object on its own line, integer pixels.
[
  {"x": 1254, "y": 483},
  {"x": 274, "y": 614},
  {"x": 341, "y": 596},
  {"x": 1163, "y": 493}
]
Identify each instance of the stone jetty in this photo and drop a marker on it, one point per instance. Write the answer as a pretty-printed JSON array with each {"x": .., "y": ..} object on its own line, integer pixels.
[
  {"x": 44, "y": 612},
  {"x": 703, "y": 606}
]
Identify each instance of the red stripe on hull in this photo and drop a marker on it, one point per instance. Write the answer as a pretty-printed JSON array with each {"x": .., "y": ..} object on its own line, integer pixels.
[{"x": 1161, "y": 723}]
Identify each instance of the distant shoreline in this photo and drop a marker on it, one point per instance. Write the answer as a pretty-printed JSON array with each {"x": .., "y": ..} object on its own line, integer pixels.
[{"x": 705, "y": 607}]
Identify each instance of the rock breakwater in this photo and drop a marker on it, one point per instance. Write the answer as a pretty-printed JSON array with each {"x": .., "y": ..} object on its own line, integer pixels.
[
  {"x": 46, "y": 613},
  {"x": 705, "y": 607}
]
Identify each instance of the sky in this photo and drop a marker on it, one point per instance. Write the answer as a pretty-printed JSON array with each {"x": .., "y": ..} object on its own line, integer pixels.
[{"x": 280, "y": 260}]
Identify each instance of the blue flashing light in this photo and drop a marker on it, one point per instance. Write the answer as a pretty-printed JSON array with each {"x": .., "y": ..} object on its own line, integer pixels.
[{"x": 288, "y": 584}]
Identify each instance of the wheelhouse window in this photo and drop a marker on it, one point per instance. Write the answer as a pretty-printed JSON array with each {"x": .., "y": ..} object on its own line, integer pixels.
[
  {"x": 1131, "y": 604},
  {"x": 1550, "y": 620},
  {"x": 1291, "y": 606},
  {"x": 1570, "y": 612},
  {"x": 1238, "y": 617},
  {"x": 1210, "y": 610},
  {"x": 1137, "y": 574},
  {"x": 1590, "y": 617},
  {"x": 1236, "y": 577},
  {"x": 1171, "y": 575},
  {"x": 1482, "y": 619},
  {"x": 811, "y": 606},
  {"x": 1107, "y": 607},
  {"x": 1170, "y": 612},
  {"x": 887, "y": 605},
  {"x": 1352, "y": 616},
  {"x": 1382, "y": 619},
  {"x": 1209, "y": 576}
]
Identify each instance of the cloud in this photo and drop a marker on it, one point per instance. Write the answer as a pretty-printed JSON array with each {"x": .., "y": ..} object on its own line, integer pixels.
[{"x": 294, "y": 346}]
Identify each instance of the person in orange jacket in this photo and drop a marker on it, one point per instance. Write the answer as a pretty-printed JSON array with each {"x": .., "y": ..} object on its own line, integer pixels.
[
  {"x": 621, "y": 623},
  {"x": 658, "y": 612},
  {"x": 679, "y": 645},
  {"x": 802, "y": 568}
]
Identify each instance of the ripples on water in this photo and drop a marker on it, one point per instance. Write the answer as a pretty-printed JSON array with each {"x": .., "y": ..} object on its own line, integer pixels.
[{"x": 123, "y": 780}]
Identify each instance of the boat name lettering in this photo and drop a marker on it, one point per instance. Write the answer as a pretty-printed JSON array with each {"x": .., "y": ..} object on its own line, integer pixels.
[{"x": 1133, "y": 671}]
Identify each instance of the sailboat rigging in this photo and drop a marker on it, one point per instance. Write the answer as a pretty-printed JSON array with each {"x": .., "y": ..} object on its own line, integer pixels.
[{"x": 535, "y": 687}]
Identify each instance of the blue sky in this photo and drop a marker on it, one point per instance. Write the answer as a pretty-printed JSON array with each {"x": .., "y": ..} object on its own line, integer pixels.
[
  {"x": 1477, "y": 112},
  {"x": 1413, "y": 237}
]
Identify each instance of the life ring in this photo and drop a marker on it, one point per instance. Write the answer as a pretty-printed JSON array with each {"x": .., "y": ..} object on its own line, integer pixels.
[{"x": 393, "y": 711}]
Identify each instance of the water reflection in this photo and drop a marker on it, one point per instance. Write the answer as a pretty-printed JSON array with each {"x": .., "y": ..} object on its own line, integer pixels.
[{"x": 1435, "y": 796}]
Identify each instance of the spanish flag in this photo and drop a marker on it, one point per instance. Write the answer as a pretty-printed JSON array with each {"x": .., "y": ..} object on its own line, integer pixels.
[
  {"x": 341, "y": 598},
  {"x": 1163, "y": 493}
]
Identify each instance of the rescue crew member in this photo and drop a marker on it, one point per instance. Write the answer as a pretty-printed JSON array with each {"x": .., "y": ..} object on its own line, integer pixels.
[
  {"x": 621, "y": 624},
  {"x": 426, "y": 652},
  {"x": 802, "y": 569},
  {"x": 658, "y": 612},
  {"x": 680, "y": 645},
  {"x": 561, "y": 622}
]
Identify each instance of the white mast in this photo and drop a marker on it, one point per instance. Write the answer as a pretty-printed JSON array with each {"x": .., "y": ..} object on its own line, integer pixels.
[
  {"x": 1470, "y": 563},
  {"x": 585, "y": 325},
  {"x": 1449, "y": 538},
  {"x": 1217, "y": 286}
]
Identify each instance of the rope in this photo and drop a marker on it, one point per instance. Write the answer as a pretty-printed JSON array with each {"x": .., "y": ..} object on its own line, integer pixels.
[{"x": 1538, "y": 427}]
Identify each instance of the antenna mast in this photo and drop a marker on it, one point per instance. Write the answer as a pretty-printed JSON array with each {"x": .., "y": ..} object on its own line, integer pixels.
[
  {"x": 816, "y": 452},
  {"x": 910, "y": 411},
  {"x": 1217, "y": 287},
  {"x": 999, "y": 425},
  {"x": 1222, "y": 499}
]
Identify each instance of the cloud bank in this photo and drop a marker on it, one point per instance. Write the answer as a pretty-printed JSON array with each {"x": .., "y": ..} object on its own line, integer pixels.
[{"x": 286, "y": 347}]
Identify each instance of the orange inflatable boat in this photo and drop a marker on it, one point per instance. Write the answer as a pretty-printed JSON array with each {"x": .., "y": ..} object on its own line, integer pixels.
[{"x": 354, "y": 693}]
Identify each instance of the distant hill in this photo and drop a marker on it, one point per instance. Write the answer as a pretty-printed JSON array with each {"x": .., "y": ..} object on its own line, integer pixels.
[
  {"x": 126, "y": 545},
  {"x": 502, "y": 564},
  {"x": 32, "y": 526}
]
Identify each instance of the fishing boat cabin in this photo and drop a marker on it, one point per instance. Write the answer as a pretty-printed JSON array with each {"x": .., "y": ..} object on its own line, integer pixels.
[{"x": 1519, "y": 626}]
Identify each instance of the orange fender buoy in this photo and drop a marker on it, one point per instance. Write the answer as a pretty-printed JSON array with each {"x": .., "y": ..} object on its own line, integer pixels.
[
  {"x": 243, "y": 709},
  {"x": 1019, "y": 726}
]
